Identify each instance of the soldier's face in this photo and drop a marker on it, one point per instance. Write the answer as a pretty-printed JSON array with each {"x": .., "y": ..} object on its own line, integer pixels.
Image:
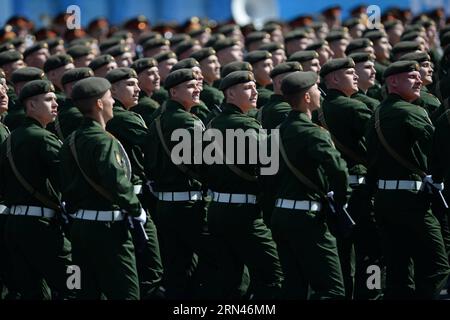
[
  {"x": 43, "y": 108},
  {"x": 262, "y": 72},
  {"x": 312, "y": 65},
  {"x": 366, "y": 74},
  {"x": 164, "y": 67},
  {"x": 3, "y": 97},
  {"x": 325, "y": 54},
  {"x": 102, "y": 71},
  {"x": 357, "y": 31},
  {"x": 426, "y": 72},
  {"x": 186, "y": 93},
  {"x": 278, "y": 56},
  {"x": 84, "y": 61},
  {"x": 149, "y": 80},
  {"x": 346, "y": 80},
  {"x": 244, "y": 95},
  {"x": 107, "y": 102},
  {"x": 127, "y": 92},
  {"x": 407, "y": 85},
  {"x": 395, "y": 33},
  {"x": 339, "y": 47},
  {"x": 277, "y": 36},
  {"x": 211, "y": 68},
  {"x": 199, "y": 76},
  {"x": 382, "y": 49},
  {"x": 55, "y": 75},
  {"x": 38, "y": 58},
  {"x": 314, "y": 95},
  {"x": 125, "y": 60},
  {"x": 230, "y": 54}
]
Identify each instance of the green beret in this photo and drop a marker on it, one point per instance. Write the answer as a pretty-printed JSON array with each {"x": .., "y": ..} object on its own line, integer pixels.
[
  {"x": 119, "y": 74},
  {"x": 9, "y": 57},
  {"x": 236, "y": 77},
  {"x": 271, "y": 46},
  {"x": 228, "y": 29},
  {"x": 350, "y": 23},
  {"x": 76, "y": 75},
  {"x": 225, "y": 43},
  {"x": 197, "y": 32},
  {"x": 285, "y": 67},
  {"x": 235, "y": 66},
  {"x": 87, "y": 42},
  {"x": 187, "y": 63},
  {"x": 358, "y": 44},
  {"x": 388, "y": 25},
  {"x": 17, "y": 41},
  {"x": 203, "y": 54},
  {"x": 213, "y": 39},
  {"x": 117, "y": 50},
  {"x": 295, "y": 34},
  {"x": 303, "y": 56},
  {"x": 414, "y": 27},
  {"x": 27, "y": 74},
  {"x": 410, "y": 36},
  {"x": 271, "y": 27},
  {"x": 57, "y": 61},
  {"x": 143, "y": 38},
  {"x": 178, "y": 76},
  {"x": 359, "y": 57},
  {"x": 185, "y": 45},
  {"x": 405, "y": 46},
  {"x": 256, "y": 36},
  {"x": 257, "y": 55},
  {"x": 336, "y": 64},
  {"x": 401, "y": 67},
  {"x": 163, "y": 56},
  {"x": 177, "y": 38},
  {"x": 298, "y": 81},
  {"x": 90, "y": 88},
  {"x": 6, "y": 46},
  {"x": 155, "y": 43},
  {"x": 38, "y": 46},
  {"x": 144, "y": 64},
  {"x": 336, "y": 35},
  {"x": 54, "y": 42},
  {"x": 79, "y": 51},
  {"x": 101, "y": 61},
  {"x": 109, "y": 43},
  {"x": 35, "y": 88},
  {"x": 374, "y": 35},
  {"x": 416, "y": 56},
  {"x": 317, "y": 45}
]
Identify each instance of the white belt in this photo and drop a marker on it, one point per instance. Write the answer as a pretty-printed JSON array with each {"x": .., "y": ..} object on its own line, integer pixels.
[
  {"x": 4, "y": 209},
  {"x": 399, "y": 185},
  {"x": 298, "y": 204},
  {"x": 233, "y": 198},
  {"x": 180, "y": 196},
  {"x": 356, "y": 179},
  {"x": 137, "y": 189},
  {"x": 32, "y": 211},
  {"x": 96, "y": 215}
]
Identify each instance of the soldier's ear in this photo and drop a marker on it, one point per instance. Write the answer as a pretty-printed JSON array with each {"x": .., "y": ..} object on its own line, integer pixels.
[{"x": 307, "y": 97}]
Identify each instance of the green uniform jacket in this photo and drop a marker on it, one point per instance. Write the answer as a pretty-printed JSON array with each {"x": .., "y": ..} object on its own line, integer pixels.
[
  {"x": 4, "y": 132},
  {"x": 161, "y": 95},
  {"x": 158, "y": 164},
  {"x": 347, "y": 120},
  {"x": 201, "y": 111},
  {"x": 35, "y": 153},
  {"x": 310, "y": 149},
  {"x": 131, "y": 131},
  {"x": 263, "y": 95},
  {"x": 408, "y": 130},
  {"x": 380, "y": 67},
  {"x": 146, "y": 107},
  {"x": 273, "y": 112},
  {"x": 103, "y": 160},
  {"x": 440, "y": 158},
  {"x": 15, "y": 116},
  {"x": 427, "y": 101},
  {"x": 371, "y": 103},
  {"x": 220, "y": 176},
  {"x": 211, "y": 96},
  {"x": 68, "y": 120}
]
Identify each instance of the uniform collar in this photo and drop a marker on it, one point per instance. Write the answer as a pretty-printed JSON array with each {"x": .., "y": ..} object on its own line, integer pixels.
[
  {"x": 91, "y": 123},
  {"x": 174, "y": 105},
  {"x": 298, "y": 115},
  {"x": 331, "y": 93},
  {"x": 394, "y": 97},
  {"x": 29, "y": 122},
  {"x": 231, "y": 108},
  {"x": 118, "y": 105}
]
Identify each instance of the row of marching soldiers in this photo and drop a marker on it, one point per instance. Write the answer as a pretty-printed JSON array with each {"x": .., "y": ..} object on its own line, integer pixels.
[{"x": 88, "y": 182}]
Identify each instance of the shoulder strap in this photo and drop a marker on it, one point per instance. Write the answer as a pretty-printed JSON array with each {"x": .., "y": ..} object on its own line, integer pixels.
[
  {"x": 348, "y": 152},
  {"x": 35, "y": 193},
  {"x": 391, "y": 151},
  {"x": 94, "y": 185},
  {"x": 58, "y": 128}
]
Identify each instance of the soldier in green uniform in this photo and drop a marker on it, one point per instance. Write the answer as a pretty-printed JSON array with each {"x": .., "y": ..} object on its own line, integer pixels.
[
  {"x": 166, "y": 61},
  {"x": 262, "y": 64},
  {"x": 29, "y": 171},
  {"x": 399, "y": 141},
  {"x": 359, "y": 45},
  {"x": 98, "y": 191},
  {"x": 130, "y": 129},
  {"x": 309, "y": 60},
  {"x": 346, "y": 119},
  {"x": 180, "y": 213},
  {"x": 234, "y": 215},
  {"x": 323, "y": 50},
  {"x": 54, "y": 68},
  {"x": 338, "y": 41},
  {"x": 122, "y": 54},
  {"x": 155, "y": 46},
  {"x": 296, "y": 40},
  {"x": 36, "y": 55},
  {"x": 307, "y": 249},
  {"x": 365, "y": 70},
  {"x": 382, "y": 49},
  {"x": 101, "y": 65},
  {"x": 82, "y": 55},
  {"x": 277, "y": 51},
  {"x": 149, "y": 82}
]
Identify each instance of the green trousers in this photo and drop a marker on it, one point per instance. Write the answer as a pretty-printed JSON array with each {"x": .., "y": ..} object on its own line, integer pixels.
[{"x": 105, "y": 253}]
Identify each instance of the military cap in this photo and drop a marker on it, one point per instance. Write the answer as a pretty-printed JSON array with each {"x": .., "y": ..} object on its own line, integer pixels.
[
  {"x": 213, "y": 39},
  {"x": 336, "y": 35},
  {"x": 357, "y": 44},
  {"x": 9, "y": 57},
  {"x": 27, "y": 74},
  {"x": 18, "y": 41},
  {"x": 187, "y": 63},
  {"x": 401, "y": 67},
  {"x": 350, "y": 23},
  {"x": 410, "y": 36},
  {"x": 176, "y": 77},
  {"x": 316, "y": 45},
  {"x": 163, "y": 56},
  {"x": 298, "y": 81},
  {"x": 203, "y": 54},
  {"x": 137, "y": 23},
  {"x": 199, "y": 31},
  {"x": 56, "y": 61},
  {"x": 303, "y": 56},
  {"x": 228, "y": 29},
  {"x": 445, "y": 39},
  {"x": 185, "y": 45},
  {"x": 101, "y": 61},
  {"x": 235, "y": 66},
  {"x": 271, "y": 27},
  {"x": 271, "y": 46},
  {"x": 76, "y": 74},
  {"x": 6, "y": 46},
  {"x": 90, "y": 88},
  {"x": 35, "y": 47},
  {"x": 143, "y": 38},
  {"x": 79, "y": 51},
  {"x": 336, "y": 64},
  {"x": 362, "y": 57},
  {"x": 235, "y": 78},
  {"x": 405, "y": 46},
  {"x": 285, "y": 67},
  {"x": 117, "y": 50},
  {"x": 374, "y": 35},
  {"x": 224, "y": 43},
  {"x": 109, "y": 43},
  {"x": 144, "y": 64},
  {"x": 295, "y": 34},
  {"x": 414, "y": 27},
  {"x": 119, "y": 74},
  {"x": 178, "y": 38},
  {"x": 256, "y": 36},
  {"x": 388, "y": 25},
  {"x": 155, "y": 43},
  {"x": 257, "y": 55},
  {"x": 416, "y": 56},
  {"x": 85, "y": 41},
  {"x": 54, "y": 42},
  {"x": 35, "y": 88}
]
